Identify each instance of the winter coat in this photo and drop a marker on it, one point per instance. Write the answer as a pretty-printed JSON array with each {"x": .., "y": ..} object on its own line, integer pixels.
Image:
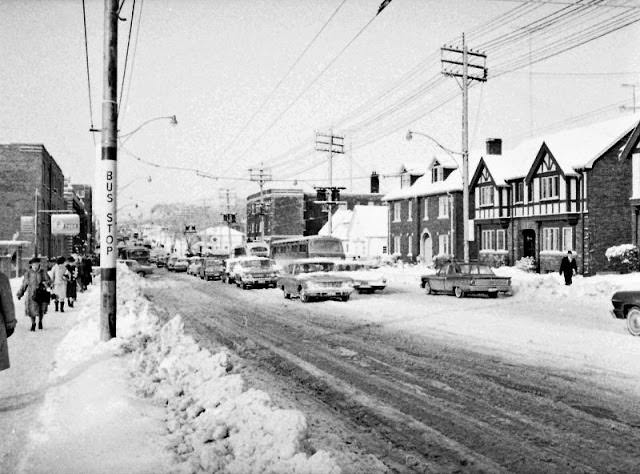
[
  {"x": 7, "y": 319},
  {"x": 568, "y": 268},
  {"x": 59, "y": 275},
  {"x": 72, "y": 286},
  {"x": 30, "y": 282}
]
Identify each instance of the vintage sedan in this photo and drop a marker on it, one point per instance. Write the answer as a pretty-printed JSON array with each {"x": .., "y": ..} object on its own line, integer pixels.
[
  {"x": 194, "y": 266},
  {"x": 365, "y": 280},
  {"x": 139, "y": 268},
  {"x": 212, "y": 268},
  {"x": 467, "y": 278},
  {"x": 314, "y": 279},
  {"x": 253, "y": 272},
  {"x": 626, "y": 305}
]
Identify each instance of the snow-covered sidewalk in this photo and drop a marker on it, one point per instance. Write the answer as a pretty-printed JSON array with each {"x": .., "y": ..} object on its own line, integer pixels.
[{"x": 148, "y": 401}]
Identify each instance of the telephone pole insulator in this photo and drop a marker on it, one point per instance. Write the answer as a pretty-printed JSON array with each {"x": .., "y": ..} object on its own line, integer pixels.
[{"x": 332, "y": 144}]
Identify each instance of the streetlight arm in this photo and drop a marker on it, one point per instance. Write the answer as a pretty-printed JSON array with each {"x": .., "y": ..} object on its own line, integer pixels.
[
  {"x": 411, "y": 133},
  {"x": 171, "y": 118}
]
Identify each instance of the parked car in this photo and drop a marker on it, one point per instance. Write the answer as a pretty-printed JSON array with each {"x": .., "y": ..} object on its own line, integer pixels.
[
  {"x": 365, "y": 280},
  {"x": 171, "y": 261},
  {"x": 227, "y": 275},
  {"x": 248, "y": 272},
  {"x": 137, "y": 267},
  {"x": 212, "y": 268},
  {"x": 194, "y": 266},
  {"x": 466, "y": 278},
  {"x": 181, "y": 265},
  {"x": 314, "y": 279},
  {"x": 626, "y": 305}
]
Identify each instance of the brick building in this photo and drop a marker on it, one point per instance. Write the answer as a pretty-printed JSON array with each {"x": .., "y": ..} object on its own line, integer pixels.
[
  {"x": 79, "y": 199},
  {"x": 577, "y": 190},
  {"x": 425, "y": 214},
  {"x": 30, "y": 178},
  {"x": 294, "y": 212}
]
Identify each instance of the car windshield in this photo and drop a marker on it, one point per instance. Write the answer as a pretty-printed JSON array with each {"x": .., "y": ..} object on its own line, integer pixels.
[
  {"x": 349, "y": 267},
  {"x": 213, "y": 261},
  {"x": 181, "y": 261},
  {"x": 317, "y": 267},
  {"x": 257, "y": 264}
]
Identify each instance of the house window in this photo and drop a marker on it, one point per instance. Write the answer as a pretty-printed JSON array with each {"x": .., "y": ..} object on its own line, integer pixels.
[
  {"x": 501, "y": 243},
  {"x": 443, "y": 206},
  {"x": 409, "y": 217},
  {"x": 567, "y": 239},
  {"x": 530, "y": 192},
  {"x": 635, "y": 175},
  {"x": 443, "y": 241},
  {"x": 396, "y": 244},
  {"x": 549, "y": 187},
  {"x": 518, "y": 191},
  {"x": 405, "y": 180},
  {"x": 396, "y": 212},
  {"x": 486, "y": 196},
  {"x": 410, "y": 245},
  {"x": 487, "y": 240},
  {"x": 426, "y": 209},
  {"x": 437, "y": 174},
  {"x": 550, "y": 240}
]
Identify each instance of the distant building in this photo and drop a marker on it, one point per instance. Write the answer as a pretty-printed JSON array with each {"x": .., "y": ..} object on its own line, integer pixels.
[
  {"x": 363, "y": 230},
  {"x": 78, "y": 200},
  {"x": 293, "y": 212},
  {"x": 32, "y": 186}
]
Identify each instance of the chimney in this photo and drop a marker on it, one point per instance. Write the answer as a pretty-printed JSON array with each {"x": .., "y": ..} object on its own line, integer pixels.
[
  {"x": 375, "y": 183},
  {"x": 494, "y": 146}
]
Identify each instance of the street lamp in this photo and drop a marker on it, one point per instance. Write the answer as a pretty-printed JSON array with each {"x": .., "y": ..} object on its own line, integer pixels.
[
  {"x": 172, "y": 120},
  {"x": 465, "y": 187}
]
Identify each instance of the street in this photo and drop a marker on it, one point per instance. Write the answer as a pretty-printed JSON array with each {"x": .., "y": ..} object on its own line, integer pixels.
[{"x": 418, "y": 401}]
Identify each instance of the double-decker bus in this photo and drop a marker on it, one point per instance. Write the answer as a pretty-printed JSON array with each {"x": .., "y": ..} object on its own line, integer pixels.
[{"x": 307, "y": 247}]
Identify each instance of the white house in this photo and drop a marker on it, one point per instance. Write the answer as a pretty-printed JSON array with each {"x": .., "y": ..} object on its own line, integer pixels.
[{"x": 363, "y": 230}]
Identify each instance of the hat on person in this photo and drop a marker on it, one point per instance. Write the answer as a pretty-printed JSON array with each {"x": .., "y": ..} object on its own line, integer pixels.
[
  {"x": 34, "y": 260},
  {"x": 60, "y": 260}
]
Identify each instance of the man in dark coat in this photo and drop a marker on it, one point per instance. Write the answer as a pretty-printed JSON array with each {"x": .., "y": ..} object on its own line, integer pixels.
[
  {"x": 31, "y": 281},
  {"x": 568, "y": 268},
  {"x": 7, "y": 319}
]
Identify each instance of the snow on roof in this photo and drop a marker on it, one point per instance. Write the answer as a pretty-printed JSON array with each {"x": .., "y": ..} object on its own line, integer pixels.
[
  {"x": 369, "y": 221},
  {"x": 340, "y": 222},
  {"x": 445, "y": 160},
  {"x": 220, "y": 229},
  {"x": 573, "y": 149}
]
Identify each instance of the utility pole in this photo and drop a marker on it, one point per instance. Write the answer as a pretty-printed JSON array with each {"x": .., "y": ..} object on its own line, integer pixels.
[
  {"x": 108, "y": 174},
  {"x": 633, "y": 91},
  {"x": 228, "y": 217},
  {"x": 455, "y": 63},
  {"x": 332, "y": 144},
  {"x": 261, "y": 176}
]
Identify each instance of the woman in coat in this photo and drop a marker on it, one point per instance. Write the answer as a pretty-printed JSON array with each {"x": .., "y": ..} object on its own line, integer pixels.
[
  {"x": 7, "y": 319},
  {"x": 60, "y": 275},
  {"x": 32, "y": 279},
  {"x": 72, "y": 284}
]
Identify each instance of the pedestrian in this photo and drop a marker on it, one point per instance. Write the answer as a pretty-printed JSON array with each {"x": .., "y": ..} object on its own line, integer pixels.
[
  {"x": 72, "y": 287},
  {"x": 7, "y": 318},
  {"x": 34, "y": 284},
  {"x": 568, "y": 268},
  {"x": 86, "y": 271},
  {"x": 60, "y": 275}
]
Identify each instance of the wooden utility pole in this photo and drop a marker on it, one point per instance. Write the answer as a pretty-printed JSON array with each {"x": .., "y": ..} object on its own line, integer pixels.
[
  {"x": 332, "y": 144},
  {"x": 261, "y": 175},
  {"x": 455, "y": 63},
  {"x": 108, "y": 174}
]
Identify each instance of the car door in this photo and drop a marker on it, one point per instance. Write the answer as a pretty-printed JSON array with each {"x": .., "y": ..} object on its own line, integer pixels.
[{"x": 437, "y": 281}]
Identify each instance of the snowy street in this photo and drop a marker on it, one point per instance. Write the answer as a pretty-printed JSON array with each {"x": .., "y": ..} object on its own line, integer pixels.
[{"x": 544, "y": 380}]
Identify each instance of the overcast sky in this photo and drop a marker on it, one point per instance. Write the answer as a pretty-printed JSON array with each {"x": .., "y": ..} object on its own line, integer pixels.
[{"x": 213, "y": 63}]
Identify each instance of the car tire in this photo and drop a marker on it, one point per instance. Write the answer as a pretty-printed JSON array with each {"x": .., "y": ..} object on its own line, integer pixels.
[
  {"x": 345, "y": 297},
  {"x": 459, "y": 292},
  {"x": 493, "y": 294},
  {"x": 633, "y": 321},
  {"x": 304, "y": 297},
  {"x": 427, "y": 288},
  {"x": 141, "y": 274}
]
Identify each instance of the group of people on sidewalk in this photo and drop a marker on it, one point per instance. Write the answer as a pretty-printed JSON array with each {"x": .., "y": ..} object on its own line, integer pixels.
[{"x": 41, "y": 286}]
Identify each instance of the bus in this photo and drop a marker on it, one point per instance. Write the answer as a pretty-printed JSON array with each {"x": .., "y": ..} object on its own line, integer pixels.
[
  {"x": 138, "y": 253},
  {"x": 307, "y": 247},
  {"x": 251, "y": 249}
]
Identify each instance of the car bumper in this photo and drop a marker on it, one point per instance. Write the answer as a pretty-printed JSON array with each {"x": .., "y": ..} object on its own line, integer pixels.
[
  {"x": 328, "y": 293},
  {"x": 259, "y": 281}
]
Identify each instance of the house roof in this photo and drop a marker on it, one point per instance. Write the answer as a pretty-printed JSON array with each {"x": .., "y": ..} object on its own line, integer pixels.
[
  {"x": 573, "y": 149},
  {"x": 424, "y": 187},
  {"x": 369, "y": 221},
  {"x": 340, "y": 221}
]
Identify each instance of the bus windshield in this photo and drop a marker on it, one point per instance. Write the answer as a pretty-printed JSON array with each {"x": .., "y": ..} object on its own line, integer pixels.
[
  {"x": 326, "y": 246},
  {"x": 257, "y": 264}
]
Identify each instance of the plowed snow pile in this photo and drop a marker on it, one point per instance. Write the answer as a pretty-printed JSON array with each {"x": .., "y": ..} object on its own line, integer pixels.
[{"x": 215, "y": 423}]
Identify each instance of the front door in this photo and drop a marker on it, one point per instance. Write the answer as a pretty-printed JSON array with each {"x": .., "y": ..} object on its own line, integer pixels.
[
  {"x": 427, "y": 249},
  {"x": 529, "y": 243}
]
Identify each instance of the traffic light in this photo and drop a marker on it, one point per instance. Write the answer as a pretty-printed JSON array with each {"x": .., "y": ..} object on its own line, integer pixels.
[{"x": 335, "y": 194}]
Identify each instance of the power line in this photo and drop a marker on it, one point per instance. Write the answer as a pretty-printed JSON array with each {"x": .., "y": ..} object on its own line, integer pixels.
[
  {"x": 126, "y": 57},
  {"x": 277, "y": 86},
  {"x": 86, "y": 55},
  {"x": 133, "y": 63}
]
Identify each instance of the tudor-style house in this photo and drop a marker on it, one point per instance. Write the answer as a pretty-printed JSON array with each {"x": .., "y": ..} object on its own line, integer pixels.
[
  {"x": 425, "y": 214},
  {"x": 572, "y": 190}
]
